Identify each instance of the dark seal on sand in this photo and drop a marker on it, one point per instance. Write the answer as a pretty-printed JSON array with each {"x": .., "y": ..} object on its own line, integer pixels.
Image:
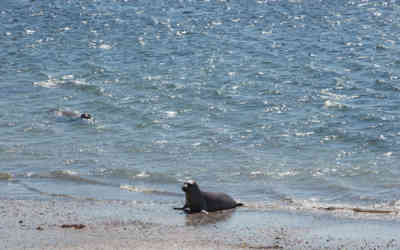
[{"x": 199, "y": 201}]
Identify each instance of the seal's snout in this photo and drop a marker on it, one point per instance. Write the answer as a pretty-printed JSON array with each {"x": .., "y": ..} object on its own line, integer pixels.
[
  {"x": 187, "y": 185},
  {"x": 184, "y": 188}
]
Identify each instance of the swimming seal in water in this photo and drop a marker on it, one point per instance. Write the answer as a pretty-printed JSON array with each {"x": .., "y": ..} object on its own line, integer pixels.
[
  {"x": 200, "y": 201},
  {"x": 86, "y": 116},
  {"x": 72, "y": 114}
]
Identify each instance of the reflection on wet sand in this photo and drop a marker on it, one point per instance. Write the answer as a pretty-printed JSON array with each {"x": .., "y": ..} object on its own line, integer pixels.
[{"x": 199, "y": 219}]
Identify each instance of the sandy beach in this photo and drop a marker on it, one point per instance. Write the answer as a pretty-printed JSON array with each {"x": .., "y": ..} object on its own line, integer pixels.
[{"x": 88, "y": 224}]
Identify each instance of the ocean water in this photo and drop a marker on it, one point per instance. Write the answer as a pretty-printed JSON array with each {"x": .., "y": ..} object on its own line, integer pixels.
[{"x": 274, "y": 101}]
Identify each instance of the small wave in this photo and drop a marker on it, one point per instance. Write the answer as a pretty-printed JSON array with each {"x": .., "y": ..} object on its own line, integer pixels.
[
  {"x": 346, "y": 208},
  {"x": 333, "y": 100},
  {"x": 137, "y": 189},
  {"x": 304, "y": 134},
  {"x": 171, "y": 114},
  {"x": 50, "y": 83},
  {"x": 140, "y": 175},
  {"x": 278, "y": 108},
  {"x": 274, "y": 174},
  {"x": 70, "y": 81},
  {"x": 325, "y": 94},
  {"x": 36, "y": 190},
  {"x": 66, "y": 175},
  {"x": 148, "y": 190},
  {"x": 73, "y": 176},
  {"x": 55, "y": 82},
  {"x": 338, "y": 209},
  {"x": 105, "y": 46},
  {"x": 334, "y": 104}
]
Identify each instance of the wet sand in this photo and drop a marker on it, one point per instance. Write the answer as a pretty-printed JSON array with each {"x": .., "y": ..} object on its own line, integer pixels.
[{"x": 88, "y": 224}]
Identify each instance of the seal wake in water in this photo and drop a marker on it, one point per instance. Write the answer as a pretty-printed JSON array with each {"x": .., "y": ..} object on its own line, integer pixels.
[{"x": 199, "y": 201}]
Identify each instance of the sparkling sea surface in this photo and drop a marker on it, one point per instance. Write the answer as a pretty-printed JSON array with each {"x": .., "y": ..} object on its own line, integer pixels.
[{"x": 270, "y": 101}]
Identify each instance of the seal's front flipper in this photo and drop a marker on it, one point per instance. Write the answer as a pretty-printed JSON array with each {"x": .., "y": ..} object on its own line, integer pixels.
[
  {"x": 204, "y": 211},
  {"x": 185, "y": 207}
]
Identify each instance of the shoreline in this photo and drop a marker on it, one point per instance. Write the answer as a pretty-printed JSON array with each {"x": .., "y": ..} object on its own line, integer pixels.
[{"x": 50, "y": 224}]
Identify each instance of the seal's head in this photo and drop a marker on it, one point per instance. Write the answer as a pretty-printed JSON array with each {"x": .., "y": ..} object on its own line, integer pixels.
[
  {"x": 189, "y": 186},
  {"x": 86, "y": 116}
]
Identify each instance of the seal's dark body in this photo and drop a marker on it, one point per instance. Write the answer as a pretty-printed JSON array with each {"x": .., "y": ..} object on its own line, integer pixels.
[{"x": 198, "y": 201}]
